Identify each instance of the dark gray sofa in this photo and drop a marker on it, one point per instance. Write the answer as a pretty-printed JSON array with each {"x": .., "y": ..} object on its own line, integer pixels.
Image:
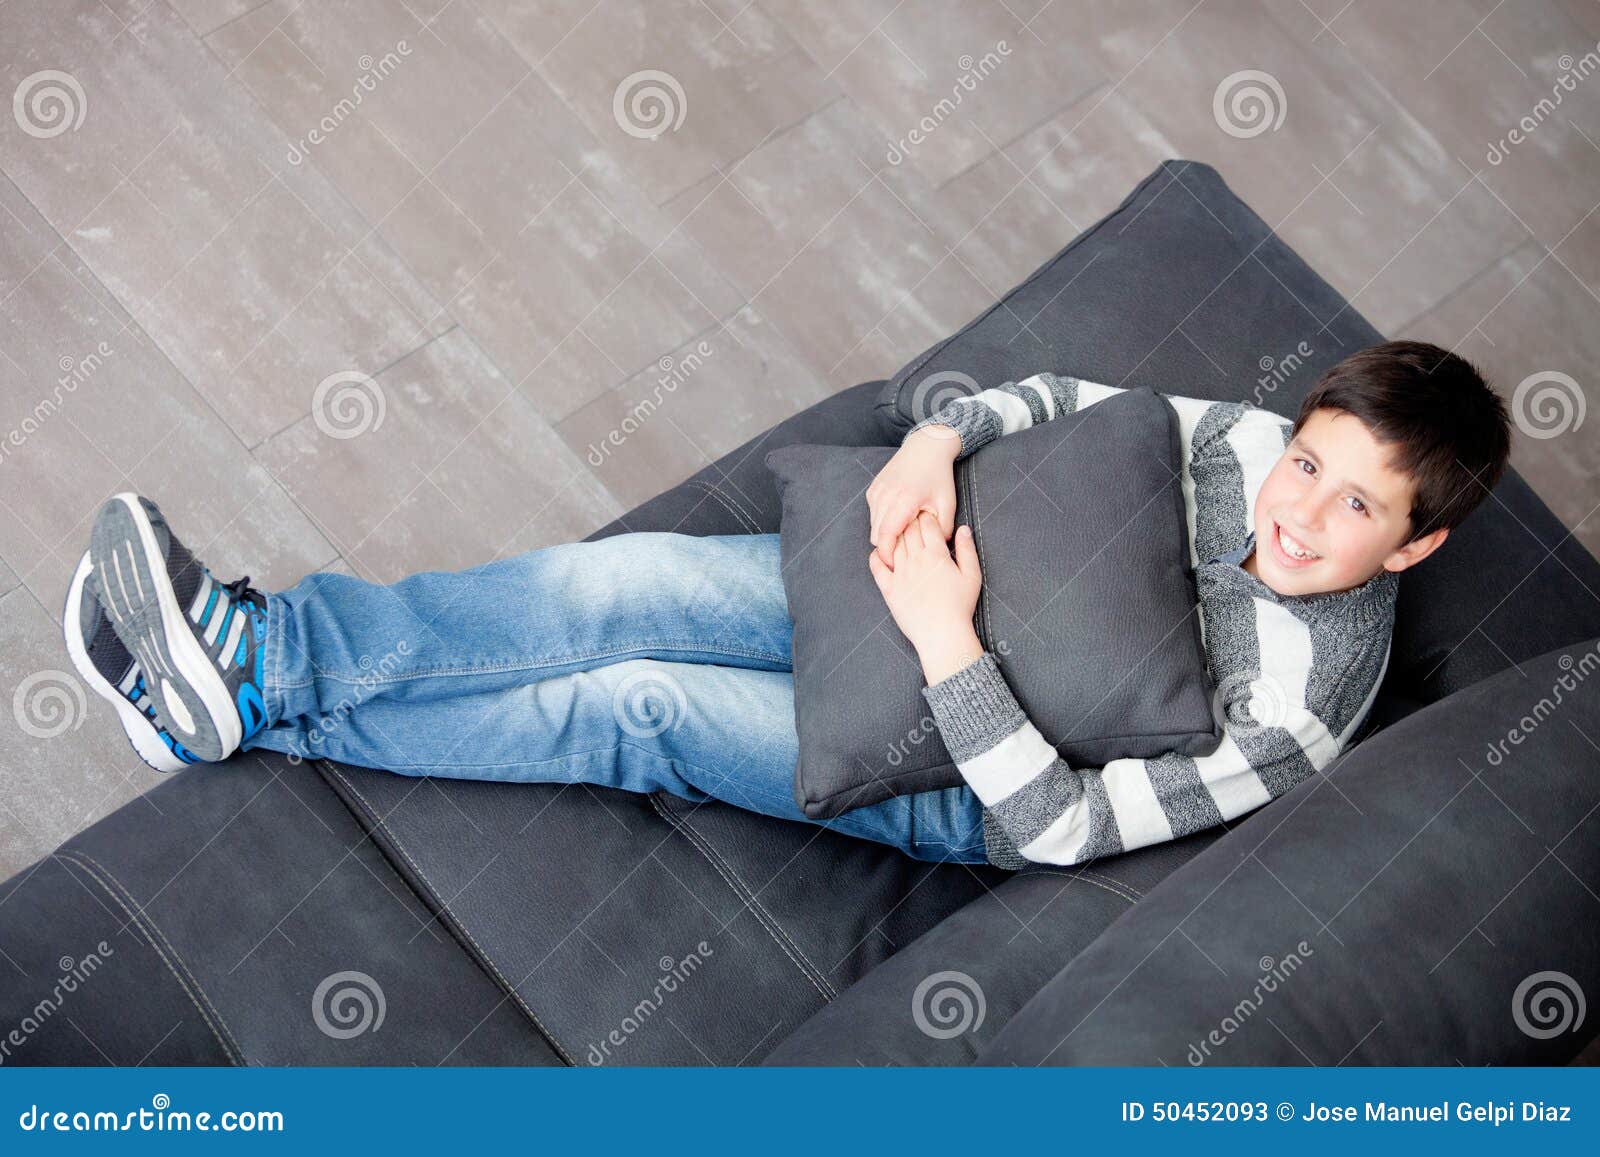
[{"x": 537, "y": 924}]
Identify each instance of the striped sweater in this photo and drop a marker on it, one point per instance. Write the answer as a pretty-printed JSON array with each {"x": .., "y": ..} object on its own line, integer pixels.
[{"x": 1295, "y": 675}]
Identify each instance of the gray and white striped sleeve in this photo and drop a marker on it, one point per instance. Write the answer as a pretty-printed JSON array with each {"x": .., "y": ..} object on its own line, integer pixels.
[
  {"x": 982, "y": 417},
  {"x": 1054, "y": 813}
]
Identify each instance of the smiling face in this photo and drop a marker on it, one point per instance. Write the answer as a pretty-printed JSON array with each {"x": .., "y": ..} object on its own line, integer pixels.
[{"x": 1333, "y": 512}]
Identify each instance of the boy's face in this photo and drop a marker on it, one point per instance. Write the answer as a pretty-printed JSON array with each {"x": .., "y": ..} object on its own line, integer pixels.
[{"x": 1333, "y": 494}]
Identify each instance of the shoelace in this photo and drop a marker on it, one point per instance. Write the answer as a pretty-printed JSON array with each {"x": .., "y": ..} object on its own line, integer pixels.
[{"x": 242, "y": 592}]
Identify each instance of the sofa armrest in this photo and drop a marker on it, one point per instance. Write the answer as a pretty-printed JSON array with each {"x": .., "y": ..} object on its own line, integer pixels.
[{"x": 1433, "y": 899}]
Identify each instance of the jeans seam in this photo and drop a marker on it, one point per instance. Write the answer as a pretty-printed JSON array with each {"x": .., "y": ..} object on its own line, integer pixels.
[
  {"x": 272, "y": 692},
  {"x": 967, "y": 847},
  {"x": 947, "y": 845},
  {"x": 501, "y": 668}
]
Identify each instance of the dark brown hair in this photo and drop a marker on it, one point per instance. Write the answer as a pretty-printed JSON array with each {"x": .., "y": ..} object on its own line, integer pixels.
[{"x": 1446, "y": 427}]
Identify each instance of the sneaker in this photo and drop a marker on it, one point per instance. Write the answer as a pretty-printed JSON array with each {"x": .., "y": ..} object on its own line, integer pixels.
[
  {"x": 199, "y": 642},
  {"x": 106, "y": 666}
]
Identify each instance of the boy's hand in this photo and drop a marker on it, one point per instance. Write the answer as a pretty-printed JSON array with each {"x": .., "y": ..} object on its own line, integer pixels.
[
  {"x": 920, "y": 477},
  {"x": 932, "y": 596}
]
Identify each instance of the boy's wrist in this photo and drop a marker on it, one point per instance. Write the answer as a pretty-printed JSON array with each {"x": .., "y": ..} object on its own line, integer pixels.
[
  {"x": 938, "y": 437},
  {"x": 949, "y": 651}
]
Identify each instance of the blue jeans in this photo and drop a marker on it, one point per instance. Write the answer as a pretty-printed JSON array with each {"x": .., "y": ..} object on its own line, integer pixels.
[{"x": 643, "y": 662}]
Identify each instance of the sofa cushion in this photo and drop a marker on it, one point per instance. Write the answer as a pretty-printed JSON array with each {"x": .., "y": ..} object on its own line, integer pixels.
[
  {"x": 1088, "y": 603},
  {"x": 964, "y": 980}
]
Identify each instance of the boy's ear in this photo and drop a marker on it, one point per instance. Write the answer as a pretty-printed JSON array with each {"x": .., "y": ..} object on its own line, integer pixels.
[{"x": 1416, "y": 550}]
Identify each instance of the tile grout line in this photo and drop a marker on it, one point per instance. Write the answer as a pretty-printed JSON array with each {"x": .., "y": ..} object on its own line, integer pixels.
[
  {"x": 1472, "y": 279},
  {"x": 383, "y": 369}
]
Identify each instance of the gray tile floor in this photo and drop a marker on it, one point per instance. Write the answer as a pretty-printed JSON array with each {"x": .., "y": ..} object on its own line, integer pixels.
[{"x": 236, "y": 233}]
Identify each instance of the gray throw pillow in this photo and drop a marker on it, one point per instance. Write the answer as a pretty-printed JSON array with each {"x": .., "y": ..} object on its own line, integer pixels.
[{"x": 1088, "y": 603}]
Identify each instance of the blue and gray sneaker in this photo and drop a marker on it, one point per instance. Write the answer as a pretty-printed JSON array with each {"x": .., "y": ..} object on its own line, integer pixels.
[
  {"x": 106, "y": 666},
  {"x": 200, "y": 643}
]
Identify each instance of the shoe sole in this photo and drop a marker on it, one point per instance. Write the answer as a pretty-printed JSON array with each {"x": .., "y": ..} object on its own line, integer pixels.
[
  {"x": 191, "y": 699},
  {"x": 142, "y": 735}
]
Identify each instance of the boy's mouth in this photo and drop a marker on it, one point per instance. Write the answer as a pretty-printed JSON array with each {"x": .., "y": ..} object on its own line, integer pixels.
[{"x": 1288, "y": 552}]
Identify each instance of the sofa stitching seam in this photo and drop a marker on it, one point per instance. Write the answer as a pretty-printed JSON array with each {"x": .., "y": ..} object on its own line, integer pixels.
[
  {"x": 1098, "y": 882},
  {"x": 146, "y": 924},
  {"x": 748, "y": 520},
  {"x": 779, "y": 935},
  {"x": 742, "y": 887},
  {"x": 483, "y": 955},
  {"x": 1111, "y": 880},
  {"x": 737, "y": 495},
  {"x": 84, "y": 860},
  {"x": 986, "y": 605},
  {"x": 729, "y": 503}
]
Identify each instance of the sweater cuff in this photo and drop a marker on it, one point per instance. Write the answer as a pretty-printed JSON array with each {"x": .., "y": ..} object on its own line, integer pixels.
[
  {"x": 997, "y": 845},
  {"x": 974, "y": 708},
  {"x": 975, "y": 423}
]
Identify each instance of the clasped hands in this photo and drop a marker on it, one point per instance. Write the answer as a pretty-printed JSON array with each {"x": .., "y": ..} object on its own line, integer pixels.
[{"x": 931, "y": 593}]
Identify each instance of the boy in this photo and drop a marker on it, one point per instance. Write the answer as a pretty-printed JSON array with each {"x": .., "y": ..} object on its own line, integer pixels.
[{"x": 661, "y": 661}]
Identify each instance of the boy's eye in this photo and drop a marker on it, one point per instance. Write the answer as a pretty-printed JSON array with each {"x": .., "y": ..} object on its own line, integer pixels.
[{"x": 1309, "y": 468}]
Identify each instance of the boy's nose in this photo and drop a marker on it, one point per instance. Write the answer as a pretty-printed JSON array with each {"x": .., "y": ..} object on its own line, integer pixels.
[{"x": 1307, "y": 515}]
